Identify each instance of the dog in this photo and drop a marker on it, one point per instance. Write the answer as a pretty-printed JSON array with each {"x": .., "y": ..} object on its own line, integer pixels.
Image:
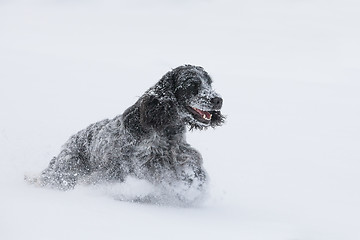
[{"x": 147, "y": 141}]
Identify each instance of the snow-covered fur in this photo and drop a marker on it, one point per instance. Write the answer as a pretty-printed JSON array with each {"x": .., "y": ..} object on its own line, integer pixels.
[{"x": 147, "y": 141}]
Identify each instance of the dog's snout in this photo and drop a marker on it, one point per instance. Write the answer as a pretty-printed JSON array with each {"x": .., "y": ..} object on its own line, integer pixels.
[{"x": 217, "y": 102}]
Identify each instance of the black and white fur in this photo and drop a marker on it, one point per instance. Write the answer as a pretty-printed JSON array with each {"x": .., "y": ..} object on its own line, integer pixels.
[{"x": 147, "y": 141}]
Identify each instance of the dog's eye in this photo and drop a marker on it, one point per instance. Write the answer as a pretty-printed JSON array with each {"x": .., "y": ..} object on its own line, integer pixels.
[{"x": 194, "y": 87}]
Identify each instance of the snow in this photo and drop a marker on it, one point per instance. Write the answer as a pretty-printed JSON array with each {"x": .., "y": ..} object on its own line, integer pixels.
[{"x": 285, "y": 165}]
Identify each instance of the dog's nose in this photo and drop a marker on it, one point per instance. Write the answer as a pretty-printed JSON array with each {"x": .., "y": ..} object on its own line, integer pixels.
[{"x": 217, "y": 102}]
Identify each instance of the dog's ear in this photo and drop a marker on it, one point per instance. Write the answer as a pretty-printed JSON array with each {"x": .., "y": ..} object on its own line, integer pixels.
[
  {"x": 166, "y": 85},
  {"x": 157, "y": 113}
]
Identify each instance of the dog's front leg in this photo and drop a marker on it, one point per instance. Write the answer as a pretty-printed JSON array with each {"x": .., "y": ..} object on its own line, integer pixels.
[{"x": 191, "y": 186}]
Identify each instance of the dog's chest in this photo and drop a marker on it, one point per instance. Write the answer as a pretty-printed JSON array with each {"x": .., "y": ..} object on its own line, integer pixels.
[{"x": 160, "y": 150}]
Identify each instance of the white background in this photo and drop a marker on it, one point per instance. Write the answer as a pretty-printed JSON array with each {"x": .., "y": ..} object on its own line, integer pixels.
[{"x": 285, "y": 165}]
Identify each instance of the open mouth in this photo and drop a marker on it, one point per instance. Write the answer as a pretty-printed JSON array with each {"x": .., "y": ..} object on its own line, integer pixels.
[{"x": 200, "y": 115}]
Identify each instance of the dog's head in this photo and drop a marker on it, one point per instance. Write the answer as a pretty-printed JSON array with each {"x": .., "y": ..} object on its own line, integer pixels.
[
  {"x": 183, "y": 95},
  {"x": 198, "y": 103}
]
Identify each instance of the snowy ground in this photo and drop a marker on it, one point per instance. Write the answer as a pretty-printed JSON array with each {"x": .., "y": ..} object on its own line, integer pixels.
[{"x": 286, "y": 164}]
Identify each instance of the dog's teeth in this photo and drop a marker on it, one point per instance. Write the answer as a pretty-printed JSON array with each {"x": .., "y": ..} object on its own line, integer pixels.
[{"x": 206, "y": 118}]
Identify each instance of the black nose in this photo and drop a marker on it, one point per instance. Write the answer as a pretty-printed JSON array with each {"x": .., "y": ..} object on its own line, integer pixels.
[{"x": 217, "y": 102}]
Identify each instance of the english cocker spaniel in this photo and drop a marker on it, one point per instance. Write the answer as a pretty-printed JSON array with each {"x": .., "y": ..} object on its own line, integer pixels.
[{"x": 147, "y": 141}]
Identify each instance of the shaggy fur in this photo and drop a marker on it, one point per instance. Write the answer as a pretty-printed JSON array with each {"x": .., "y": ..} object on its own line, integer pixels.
[{"x": 147, "y": 141}]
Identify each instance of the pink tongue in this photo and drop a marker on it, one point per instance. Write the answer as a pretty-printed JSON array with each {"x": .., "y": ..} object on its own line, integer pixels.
[{"x": 207, "y": 114}]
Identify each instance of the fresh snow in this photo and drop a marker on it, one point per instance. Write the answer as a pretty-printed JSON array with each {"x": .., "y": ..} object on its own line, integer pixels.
[{"x": 284, "y": 167}]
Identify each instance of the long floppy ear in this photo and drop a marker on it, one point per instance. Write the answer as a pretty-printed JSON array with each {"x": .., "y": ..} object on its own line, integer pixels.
[{"x": 157, "y": 113}]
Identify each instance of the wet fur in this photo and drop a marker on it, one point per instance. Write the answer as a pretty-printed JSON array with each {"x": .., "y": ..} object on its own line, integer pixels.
[{"x": 146, "y": 142}]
